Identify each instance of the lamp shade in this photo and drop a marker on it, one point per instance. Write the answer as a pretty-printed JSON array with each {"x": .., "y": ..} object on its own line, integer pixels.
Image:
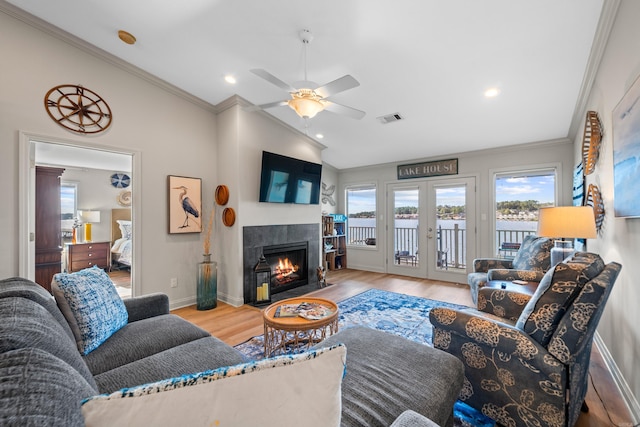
[
  {"x": 572, "y": 222},
  {"x": 90, "y": 217}
]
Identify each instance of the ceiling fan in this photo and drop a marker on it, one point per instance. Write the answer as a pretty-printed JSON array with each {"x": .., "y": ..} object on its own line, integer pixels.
[{"x": 308, "y": 99}]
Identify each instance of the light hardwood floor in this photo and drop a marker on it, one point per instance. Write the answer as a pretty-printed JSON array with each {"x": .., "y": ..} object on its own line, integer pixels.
[{"x": 235, "y": 325}]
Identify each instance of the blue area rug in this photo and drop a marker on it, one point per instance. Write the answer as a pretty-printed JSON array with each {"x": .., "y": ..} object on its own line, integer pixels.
[{"x": 398, "y": 314}]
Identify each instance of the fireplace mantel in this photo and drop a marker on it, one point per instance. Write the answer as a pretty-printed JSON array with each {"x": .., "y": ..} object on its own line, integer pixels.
[{"x": 254, "y": 238}]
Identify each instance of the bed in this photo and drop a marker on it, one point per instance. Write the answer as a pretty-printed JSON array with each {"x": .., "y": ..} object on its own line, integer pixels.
[{"x": 121, "y": 247}]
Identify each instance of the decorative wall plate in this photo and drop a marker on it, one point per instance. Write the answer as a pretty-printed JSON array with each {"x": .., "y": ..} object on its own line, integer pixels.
[
  {"x": 120, "y": 180},
  {"x": 222, "y": 195},
  {"x": 594, "y": 199},
  {"x": 228, "y": 217},
  {"x": 124, "y": 198},
  {"x": 78, "y": 109},
  {"x": 591, "y": 142}
]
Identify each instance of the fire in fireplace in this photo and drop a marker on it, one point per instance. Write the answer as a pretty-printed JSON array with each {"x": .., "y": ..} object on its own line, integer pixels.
[{"x": 288, "y": 265}]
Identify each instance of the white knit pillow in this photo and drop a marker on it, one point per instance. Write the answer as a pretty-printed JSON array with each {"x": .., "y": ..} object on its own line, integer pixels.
[{"x": 303, "y": 388}]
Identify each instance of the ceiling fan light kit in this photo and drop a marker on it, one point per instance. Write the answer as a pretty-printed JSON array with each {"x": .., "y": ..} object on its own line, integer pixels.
[
  {"x": 309, "y": 100},
  {"x": 306, "y": 103}
]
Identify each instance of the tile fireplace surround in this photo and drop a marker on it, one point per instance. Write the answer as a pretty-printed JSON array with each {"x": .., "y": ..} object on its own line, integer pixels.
[{"x": 254, "y": 238}]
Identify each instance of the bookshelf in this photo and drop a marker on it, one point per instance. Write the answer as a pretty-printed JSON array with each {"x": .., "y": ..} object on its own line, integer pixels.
[{"x": 334, "y": 241}]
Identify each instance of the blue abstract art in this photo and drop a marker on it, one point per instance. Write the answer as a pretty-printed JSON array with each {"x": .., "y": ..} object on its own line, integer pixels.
[{"x": 626, "y": 153}]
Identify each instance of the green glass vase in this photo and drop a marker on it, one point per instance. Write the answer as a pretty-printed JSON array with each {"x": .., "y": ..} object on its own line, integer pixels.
[{"x": 207, "y": 289}]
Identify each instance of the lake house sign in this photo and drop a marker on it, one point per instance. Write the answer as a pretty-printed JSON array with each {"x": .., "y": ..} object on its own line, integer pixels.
[{"x": 422, "y": 170}]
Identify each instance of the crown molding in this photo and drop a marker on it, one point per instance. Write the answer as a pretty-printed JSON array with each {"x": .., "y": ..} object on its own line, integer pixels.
[
  {"x": 70, "y": 39},
  {"x": 237, "y": 100},
  {"x": 600, "y": 39}
]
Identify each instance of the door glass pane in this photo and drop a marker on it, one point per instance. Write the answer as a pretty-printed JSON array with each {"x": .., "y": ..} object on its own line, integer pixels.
[
  {"x": 451, "y": 228},
  {"x": 406, "y": 227}
]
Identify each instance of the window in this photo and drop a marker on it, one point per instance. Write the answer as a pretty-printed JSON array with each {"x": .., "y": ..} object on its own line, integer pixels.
[
  {"x": 361, "y": 211},
  {"x": 518, "y": 197},
  {"x": 68, "y": 208}
]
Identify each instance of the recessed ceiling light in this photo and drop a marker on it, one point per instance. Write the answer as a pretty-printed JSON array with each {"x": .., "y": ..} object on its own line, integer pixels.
[
  {"x": 319, "y": 135},
  {"x": 128, "y": 38},
  {"x": 491, "y": 92},
  {"x": 230, "y": 79}
]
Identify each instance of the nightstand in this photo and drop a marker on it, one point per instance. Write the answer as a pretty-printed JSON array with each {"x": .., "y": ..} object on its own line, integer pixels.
[{"x": 84, "y": 255}]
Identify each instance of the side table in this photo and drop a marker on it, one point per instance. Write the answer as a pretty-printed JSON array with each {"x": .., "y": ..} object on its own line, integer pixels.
[{"x": 280, "y": 332}]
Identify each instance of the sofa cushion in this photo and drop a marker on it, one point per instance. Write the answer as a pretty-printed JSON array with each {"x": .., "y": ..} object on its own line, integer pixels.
[
  {"x": 24, "y": 288},
  {"x": 204, "y": 354},
  {"x": 90, "y": 303},
  {"x": 249, "y": 394},
  {"x": 141, "y": 339},
  {"x": 382, "y": 378},
  {"x": 26, "y": 324},
  {"x": 555, "y": 293},
  {"x": 38, "y": 389},
  {"x": 534, "y": 254}
]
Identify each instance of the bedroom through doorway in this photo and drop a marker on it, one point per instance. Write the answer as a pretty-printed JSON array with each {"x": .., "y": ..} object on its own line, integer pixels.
[{"x": 95, "y": 221}]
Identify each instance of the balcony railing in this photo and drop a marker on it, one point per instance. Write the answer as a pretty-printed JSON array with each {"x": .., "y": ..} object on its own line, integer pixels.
[{"x": 451, "y": 242}]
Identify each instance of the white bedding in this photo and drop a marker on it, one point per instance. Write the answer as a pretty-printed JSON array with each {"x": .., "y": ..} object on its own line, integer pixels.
[{"x": 122, "y": 251}]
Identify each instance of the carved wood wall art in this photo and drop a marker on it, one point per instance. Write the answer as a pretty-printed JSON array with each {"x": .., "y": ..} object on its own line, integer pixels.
[
  {"x": 591, "y": 142},
  {"x": 594, "y": 199}
]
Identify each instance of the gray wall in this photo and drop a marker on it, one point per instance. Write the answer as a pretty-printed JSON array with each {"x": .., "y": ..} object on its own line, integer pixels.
[{"x": 619, "y": 239}]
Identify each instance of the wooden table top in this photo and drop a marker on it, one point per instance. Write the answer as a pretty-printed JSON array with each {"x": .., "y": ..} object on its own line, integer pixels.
[{"x": 299, "y": 323}]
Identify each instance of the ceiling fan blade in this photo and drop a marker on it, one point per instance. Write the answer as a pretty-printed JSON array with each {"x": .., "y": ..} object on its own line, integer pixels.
[
  {"x": 344, "y": 110},
  {"x": 337, "y": 86},
  {"x": 265, "y": 106},
  {"x": 272, "y": 79}
]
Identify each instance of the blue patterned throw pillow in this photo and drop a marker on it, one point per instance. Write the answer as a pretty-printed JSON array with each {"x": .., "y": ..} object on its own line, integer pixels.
[{"x": 90, "y": 303}]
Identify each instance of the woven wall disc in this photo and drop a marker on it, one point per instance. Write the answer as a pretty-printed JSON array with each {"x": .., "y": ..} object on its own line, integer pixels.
[
  {"x": 594, "y": 199},
  {"x": 591, "y": 142},
  {"x": 222, "y": 195}
]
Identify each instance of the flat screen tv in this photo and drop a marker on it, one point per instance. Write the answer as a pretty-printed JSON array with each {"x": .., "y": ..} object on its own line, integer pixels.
[{"x": 288, "y": 180}]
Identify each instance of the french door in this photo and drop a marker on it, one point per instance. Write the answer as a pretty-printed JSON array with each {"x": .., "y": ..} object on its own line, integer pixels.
[{"x": 431, "y": 228}]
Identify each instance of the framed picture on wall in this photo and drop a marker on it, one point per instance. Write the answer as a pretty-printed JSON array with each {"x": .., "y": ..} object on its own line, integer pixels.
[
  {"x": 185, "y": 204},
  {"x": 626, "y": 153}
]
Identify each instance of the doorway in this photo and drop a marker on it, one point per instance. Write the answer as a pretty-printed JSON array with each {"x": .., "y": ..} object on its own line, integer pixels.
[
  {"x": 79, "y": 160},
  {"x": 431, "y": 228}
]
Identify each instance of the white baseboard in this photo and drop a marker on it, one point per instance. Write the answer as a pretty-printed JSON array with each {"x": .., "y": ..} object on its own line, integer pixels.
[{"x": 627, "y": 395}]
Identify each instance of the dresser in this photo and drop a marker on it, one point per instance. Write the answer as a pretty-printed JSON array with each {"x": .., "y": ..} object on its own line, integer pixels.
[{"x": 84, "y": 255}]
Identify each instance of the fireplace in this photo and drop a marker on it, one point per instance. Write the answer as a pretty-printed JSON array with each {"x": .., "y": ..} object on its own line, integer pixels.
[
  {"x": 288, "y": 265},
  {"x": 299, "y": 243}
]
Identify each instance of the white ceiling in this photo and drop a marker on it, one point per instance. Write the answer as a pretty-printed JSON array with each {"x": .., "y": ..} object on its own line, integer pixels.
[{"x": 429, "y": 60}]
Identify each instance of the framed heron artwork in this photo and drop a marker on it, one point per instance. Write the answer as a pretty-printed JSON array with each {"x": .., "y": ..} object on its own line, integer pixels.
[{"x": 185, "y": 204}]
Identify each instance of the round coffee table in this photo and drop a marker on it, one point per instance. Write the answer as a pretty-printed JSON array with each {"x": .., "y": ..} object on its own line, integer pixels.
[{"x": 280, "y": 332}]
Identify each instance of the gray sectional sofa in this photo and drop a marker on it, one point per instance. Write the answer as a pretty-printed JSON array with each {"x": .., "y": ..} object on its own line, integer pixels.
[{"x": 43, "y": 377}]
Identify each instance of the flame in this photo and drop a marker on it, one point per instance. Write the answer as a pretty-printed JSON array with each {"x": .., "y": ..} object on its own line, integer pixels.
[{"x": 285, "y": 267}]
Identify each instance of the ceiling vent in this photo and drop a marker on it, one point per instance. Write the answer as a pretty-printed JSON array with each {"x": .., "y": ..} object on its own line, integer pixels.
[{"x": 389, "y": 118}]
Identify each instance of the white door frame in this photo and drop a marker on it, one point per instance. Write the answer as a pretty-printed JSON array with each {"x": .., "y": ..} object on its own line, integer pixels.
[{"x": 26, "y": 200}]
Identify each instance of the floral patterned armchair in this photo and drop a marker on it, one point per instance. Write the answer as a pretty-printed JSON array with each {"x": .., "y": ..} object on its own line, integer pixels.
[
  {"x": 532, "y": 372},
  {"x": 530, "y": 263}
]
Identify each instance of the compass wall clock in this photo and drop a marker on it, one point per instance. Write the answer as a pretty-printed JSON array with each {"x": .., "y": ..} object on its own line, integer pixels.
[{"x": 78, "y": 109}]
